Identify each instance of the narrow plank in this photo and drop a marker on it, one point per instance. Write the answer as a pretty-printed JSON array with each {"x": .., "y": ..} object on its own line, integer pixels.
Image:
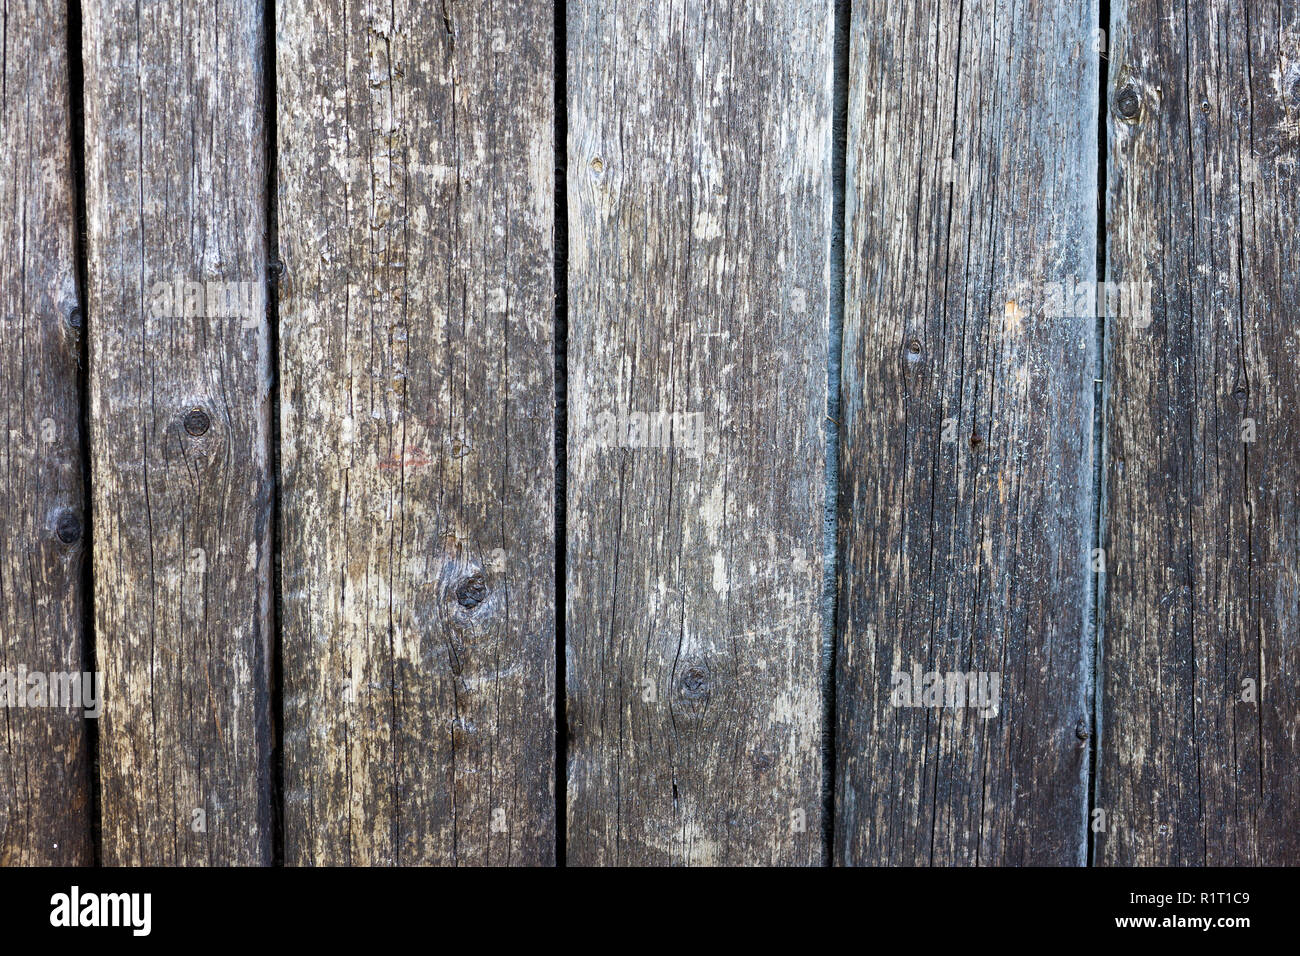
[
  {"x": 180, "y": 413},
  {"x": 965, "y": 509},
  {"x": 417, "y": 423},
  {"x": 699, "y": 184},
  {"x": 1203, "y": 436},
  {"x": 45, "y": 810}
]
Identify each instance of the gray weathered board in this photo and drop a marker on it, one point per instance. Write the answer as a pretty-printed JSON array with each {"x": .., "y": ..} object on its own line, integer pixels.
[
  {"x": 44, "y": 773},
  {"x": 415, "y": 212},
  {"x": 965, "y": 509},
  {"x": 699, "y": 200},
  {"x": 328, "y": 253},
  {"x": 1200, "y": 742},
  {"x": 180, "y": 429}
]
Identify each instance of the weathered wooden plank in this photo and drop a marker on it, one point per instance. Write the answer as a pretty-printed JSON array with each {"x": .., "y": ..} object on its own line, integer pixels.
[
  {"x": 699, "y": 186},
  {"x": 415, "y": 213},
  {"x": 965, "y": 464},
  {"x": 179, "y": 398},
  {"x": 1203, "y": 439},
  {"x": 45, "y": 810}
]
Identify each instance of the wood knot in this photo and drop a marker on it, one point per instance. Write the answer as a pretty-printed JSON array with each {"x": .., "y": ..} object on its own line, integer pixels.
[
  {"x": 1081, "y": 729},
  {"x": 68, "y": 526},
  {"x": 197, "y": 422},
  {"x": 695, "y": 682},
  {"x": 472, "y": 591},
  {"x": 468, "y": 598},
  {"x": 1128, "y": 103}
]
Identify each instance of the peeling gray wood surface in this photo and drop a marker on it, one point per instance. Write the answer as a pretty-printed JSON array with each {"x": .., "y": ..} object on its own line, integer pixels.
[
  {"x": 416, "y": 224},
  {"x": 417, "y": 423},
  {"x": 44, "y": 775},
  {"x": 1203, "y": 439},
  {"x": 966, "y": 432},
  {"x": 179, "y": 410},
  {"x": 699, "y": 188}
]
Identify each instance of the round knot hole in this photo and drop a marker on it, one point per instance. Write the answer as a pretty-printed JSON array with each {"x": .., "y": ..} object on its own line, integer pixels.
[
  {"x": 68, "y": 526},
  {"x": 1128, "y": 103},
  {"x": 695, "y": 683},
  {"x": 471, "y": 592},
  {"x": 197, "y": 422}
]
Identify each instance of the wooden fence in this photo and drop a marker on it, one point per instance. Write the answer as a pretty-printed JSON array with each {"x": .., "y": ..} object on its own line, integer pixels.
[{"x": 652, "y": 432}]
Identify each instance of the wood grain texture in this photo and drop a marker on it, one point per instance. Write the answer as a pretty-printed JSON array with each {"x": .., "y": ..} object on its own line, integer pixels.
[
  {"x": 44, "y": 776},
  {"x": 176, "y": 192},
  {"x": 965, "y": 464},
  {"x": 1203, "y": 520},
  {"x": 417, "y": 422},
  {"x": 699, "y": 187}
]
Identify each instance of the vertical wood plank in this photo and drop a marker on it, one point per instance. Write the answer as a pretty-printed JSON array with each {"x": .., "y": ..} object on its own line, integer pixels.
[
  {"x": 417, "y": 423},
  {"x": 699, "y": 188},
  {"x": 966, "y": 467},
  {"x": 1203, "y": 436},
  {"x": 45, "y": 809},
  {"x": 179, "y": 396}
]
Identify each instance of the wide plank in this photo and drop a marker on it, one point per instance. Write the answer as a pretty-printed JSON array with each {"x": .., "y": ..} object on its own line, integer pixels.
[
  {"x": 966, "y": 476},
  {"x": 180, "y": 429},
  {"x": 1200, "y": 745},
  {"x": 415, "y": 212},
  {"x": 699, "y": 199},
  {"x": 45, "y": 804}
]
